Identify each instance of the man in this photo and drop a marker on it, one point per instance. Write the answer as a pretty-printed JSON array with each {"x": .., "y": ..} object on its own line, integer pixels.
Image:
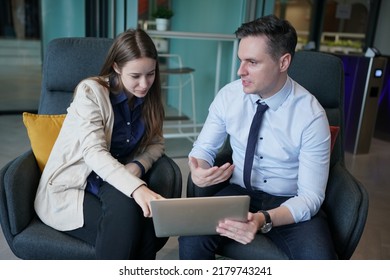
[{"x": 288, "y": 175}]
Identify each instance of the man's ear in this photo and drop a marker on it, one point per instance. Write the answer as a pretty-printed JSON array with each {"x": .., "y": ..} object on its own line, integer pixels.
[{"x": 285, "y": 61}]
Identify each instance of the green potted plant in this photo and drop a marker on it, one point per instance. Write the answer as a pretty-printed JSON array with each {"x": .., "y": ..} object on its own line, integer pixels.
[{"x": 162, "y": 16}]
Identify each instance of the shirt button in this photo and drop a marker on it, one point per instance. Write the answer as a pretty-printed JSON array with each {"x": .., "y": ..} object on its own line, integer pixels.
[
  {"x": 128, "y": 123},
  {"x": 261, "y": 157},
  {"x": 127, "y": 140},
  {"x": 97, "y": 177},
  {"x": 261, "y": 138},
  {"x": 265, "y": 181}
]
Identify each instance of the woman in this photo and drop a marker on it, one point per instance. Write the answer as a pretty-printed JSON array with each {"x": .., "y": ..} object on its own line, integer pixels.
[{"x": 92, "y": 186}]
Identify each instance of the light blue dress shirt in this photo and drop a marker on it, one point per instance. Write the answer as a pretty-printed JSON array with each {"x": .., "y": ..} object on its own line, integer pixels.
[{"x": 293, "y": 152}]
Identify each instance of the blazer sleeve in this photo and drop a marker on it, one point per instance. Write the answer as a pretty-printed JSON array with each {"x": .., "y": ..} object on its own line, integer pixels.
[{"x": 151, "y": 153}]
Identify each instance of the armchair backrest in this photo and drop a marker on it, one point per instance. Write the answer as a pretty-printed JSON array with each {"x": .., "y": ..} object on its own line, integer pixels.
[
  {"x": 322, "y": 74},
  {"x": 67, "y": 61}
]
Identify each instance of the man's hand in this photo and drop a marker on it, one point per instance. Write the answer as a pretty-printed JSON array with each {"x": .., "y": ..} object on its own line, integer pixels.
[
  {"x": 242, "y": 232},
  {"x": 203, "y": 175}
]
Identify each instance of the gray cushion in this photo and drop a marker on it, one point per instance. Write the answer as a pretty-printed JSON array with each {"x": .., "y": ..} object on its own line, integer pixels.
[{"x": 39, "y": 241}]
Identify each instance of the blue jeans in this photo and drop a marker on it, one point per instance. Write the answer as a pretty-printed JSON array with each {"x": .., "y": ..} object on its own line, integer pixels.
[{"x": 306, "y": 240}]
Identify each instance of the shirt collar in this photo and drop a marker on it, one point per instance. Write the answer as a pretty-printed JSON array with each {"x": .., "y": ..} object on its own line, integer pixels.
[
  {"x": 276, "y": 100},
  {"x": 122, "y": 97}
]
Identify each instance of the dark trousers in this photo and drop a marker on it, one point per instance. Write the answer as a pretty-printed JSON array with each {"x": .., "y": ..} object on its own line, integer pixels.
[
  {"x": 115, "y": 225},
  {"x": 306, "y": 240}
]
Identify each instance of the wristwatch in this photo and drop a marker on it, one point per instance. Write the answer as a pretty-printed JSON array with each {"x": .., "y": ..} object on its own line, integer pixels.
[{"x": 268, "y": 223}]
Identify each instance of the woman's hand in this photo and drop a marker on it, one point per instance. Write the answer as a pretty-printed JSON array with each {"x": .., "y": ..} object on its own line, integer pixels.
[{"x": 143, "y": 195}]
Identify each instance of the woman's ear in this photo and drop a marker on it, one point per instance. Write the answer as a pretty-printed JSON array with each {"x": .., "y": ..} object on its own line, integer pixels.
[
  {"x": 116, "y": 68},
  {"x": 285, "y": 61}
]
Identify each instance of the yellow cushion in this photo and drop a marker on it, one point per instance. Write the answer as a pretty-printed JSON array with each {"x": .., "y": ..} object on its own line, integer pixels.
[{"x": 42, "y": 131}]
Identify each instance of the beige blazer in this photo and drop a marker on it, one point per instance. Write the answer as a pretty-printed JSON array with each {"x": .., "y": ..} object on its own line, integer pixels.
[{"x": 83, "y": 145}]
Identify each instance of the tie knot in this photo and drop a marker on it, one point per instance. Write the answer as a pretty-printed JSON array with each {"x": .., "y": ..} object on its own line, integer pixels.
[{"x": 261, "y": 106}]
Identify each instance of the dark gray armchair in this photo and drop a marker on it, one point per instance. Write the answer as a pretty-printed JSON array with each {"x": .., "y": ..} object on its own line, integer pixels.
[
  {"x": 67, "y": 61},
  {"x": 346, "y": 203}
]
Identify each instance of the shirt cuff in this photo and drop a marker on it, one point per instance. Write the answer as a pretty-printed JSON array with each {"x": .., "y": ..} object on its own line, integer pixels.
[{"x": 140, "y": 166}]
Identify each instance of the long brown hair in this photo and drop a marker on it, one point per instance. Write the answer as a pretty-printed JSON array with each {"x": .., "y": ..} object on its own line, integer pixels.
[{"x": 130, "y": 45}]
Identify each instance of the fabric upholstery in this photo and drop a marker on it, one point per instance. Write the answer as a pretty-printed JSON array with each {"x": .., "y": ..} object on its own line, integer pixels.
[
  {"x": 18, "y": 192},
  {"x": 346, "y": 201},
  {"x": 67, "y": 61},
  {"x": 53, "y": 245},
  {"x": 42, "y": 131}
]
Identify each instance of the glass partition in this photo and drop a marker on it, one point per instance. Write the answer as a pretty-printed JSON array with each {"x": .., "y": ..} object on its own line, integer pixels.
[
  {"x": 20, "y": 56},
  {"x": 343, "y": 26}
]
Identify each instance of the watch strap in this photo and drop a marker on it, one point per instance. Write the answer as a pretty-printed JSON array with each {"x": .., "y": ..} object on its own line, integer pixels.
[
  {"x": 267, "y": 216},
  {"x": 267, "y": 226}
]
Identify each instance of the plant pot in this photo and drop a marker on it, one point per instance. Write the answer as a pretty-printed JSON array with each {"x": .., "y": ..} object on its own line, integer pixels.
[{"x": 162, "y": 24}]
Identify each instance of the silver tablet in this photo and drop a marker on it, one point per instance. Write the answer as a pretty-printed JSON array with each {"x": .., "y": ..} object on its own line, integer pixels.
[{"x": 196, "y": 215}]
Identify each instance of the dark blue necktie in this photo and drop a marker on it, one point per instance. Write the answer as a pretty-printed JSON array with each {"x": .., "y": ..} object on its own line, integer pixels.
[{"x": 252, "y": 141}]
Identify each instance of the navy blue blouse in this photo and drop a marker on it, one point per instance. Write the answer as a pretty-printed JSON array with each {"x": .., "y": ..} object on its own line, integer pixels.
[{"x": 129, "y": 127}]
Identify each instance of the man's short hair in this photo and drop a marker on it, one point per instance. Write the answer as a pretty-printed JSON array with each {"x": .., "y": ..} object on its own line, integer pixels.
[{"x": 282, "y": 36}]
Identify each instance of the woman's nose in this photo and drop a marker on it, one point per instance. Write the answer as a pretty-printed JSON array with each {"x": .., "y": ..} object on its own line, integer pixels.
[{"x": 143, "y": 82}]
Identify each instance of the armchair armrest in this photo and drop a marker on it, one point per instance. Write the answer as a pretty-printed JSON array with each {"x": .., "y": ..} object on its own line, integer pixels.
[
  {"x": 20, "y": 181},
  {"x": 165, "y": 178},
  {"x": 346, "y": 206}
]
